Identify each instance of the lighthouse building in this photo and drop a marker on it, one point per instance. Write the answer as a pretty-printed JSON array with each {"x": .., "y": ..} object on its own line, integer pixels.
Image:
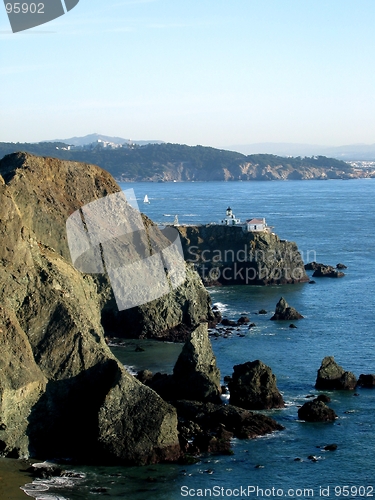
[{"x": 230, "y": 218}]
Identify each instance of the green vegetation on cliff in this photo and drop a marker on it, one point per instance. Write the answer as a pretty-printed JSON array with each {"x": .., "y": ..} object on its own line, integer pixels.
[{"x": 166, "y": 162}]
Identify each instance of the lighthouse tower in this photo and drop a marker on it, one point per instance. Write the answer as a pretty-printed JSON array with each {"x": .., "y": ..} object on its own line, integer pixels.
[{"x": 230, "y": 218}]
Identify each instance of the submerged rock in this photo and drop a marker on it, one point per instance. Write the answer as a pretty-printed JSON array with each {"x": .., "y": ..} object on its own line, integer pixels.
[
  {"x": 253, "y": 386},
  {"x": 285, "y": 312},
  {"x": 332, "y": 376}
]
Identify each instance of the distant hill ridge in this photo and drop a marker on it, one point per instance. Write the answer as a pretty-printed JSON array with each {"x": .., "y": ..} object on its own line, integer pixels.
[
  {"x": 169, "y": 162},
  {"x": 92, "y": 138},
  {"x": 349, "y": 152}
]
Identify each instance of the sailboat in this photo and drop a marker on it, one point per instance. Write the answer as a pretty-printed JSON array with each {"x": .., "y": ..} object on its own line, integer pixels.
[{"x": 146, "y": 200}]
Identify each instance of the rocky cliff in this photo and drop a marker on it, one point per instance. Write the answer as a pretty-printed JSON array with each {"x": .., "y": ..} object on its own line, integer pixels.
[
  {"x": 227, "y": 255},
  {"x": 62, "y": 392}
]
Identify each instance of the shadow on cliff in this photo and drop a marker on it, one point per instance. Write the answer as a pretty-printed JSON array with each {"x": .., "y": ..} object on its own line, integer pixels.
[{"x": 64, "y": 422}]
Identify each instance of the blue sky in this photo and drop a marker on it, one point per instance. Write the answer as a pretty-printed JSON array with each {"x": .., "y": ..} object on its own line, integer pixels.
[{"x": 211, "y": 72}]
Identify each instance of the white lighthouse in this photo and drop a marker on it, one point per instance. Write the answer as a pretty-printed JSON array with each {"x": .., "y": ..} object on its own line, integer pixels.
[{"x": 230, "y": 218}]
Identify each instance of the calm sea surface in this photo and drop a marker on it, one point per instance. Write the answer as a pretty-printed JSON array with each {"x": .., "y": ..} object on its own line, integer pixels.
[{"x": 331, "y": 222}]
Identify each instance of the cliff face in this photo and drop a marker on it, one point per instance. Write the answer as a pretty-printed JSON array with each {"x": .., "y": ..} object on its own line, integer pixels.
[
  {"x": 62, "y": 392},
  {"x": 47, "y": 191},
  {"x": 226, "y": 255}
]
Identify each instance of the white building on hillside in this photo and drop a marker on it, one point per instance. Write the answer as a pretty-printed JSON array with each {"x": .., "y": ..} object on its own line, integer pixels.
[
  {"x": 230, "y": 219},
  {"x": 256, "y": 225},
  {"x": 251, "y": 225}
]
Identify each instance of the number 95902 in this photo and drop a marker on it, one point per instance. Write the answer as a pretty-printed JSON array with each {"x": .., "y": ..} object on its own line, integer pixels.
[{"x": 24, "y": 8}]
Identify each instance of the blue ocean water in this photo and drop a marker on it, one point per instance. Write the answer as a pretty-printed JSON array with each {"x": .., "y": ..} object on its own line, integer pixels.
[{"x": 331, "y": 222}]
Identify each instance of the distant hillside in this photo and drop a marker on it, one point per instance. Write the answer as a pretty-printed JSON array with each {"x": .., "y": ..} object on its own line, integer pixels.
[
  {"x": 168, "y": 162},
  {"x": 89, "y": 139},
  {"x": 351, "y": 152}
]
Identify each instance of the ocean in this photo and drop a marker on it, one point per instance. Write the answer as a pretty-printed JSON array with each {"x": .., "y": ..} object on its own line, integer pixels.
[{"x": 331, "y": 222}]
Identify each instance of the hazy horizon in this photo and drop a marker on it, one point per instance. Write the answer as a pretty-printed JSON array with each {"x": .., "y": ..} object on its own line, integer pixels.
[{"x": 211, "y": 73}]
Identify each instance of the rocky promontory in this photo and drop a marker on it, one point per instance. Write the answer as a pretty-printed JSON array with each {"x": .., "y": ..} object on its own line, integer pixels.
[
  {"x": 226, "y": 255},
  {"x": 62, "y": 391}
]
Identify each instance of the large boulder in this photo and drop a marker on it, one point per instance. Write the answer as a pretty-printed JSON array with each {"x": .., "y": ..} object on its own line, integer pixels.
[
  {"x": 253, "y": 387},
  {"x": 285, "y": 312},
  {"x": 62, "y": 391},
  {"x": 332, "y": 376},
  {"x": 316, "y": 411},
  {"x": 195, "y": 374}
]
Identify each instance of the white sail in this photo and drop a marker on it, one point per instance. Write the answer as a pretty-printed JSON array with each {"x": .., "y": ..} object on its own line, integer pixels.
[{"x": 146, "y": 200}]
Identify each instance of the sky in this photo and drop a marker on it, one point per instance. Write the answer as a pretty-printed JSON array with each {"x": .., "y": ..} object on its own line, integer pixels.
[{"x": 210, "y": 72}]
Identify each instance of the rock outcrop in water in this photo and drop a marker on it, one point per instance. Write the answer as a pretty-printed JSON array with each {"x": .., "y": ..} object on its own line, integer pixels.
[
  {"x": 332, "y": 376},
  {"x": 210, "y": 427},
  {"x": 227, "y": 255},
  {"x": 62, "y": 392},
  {"x": 253, "y": 387},
  {"x": 366, "y": 380},
  {"x": 324, "y": 270},
  {"x": 316, "y": 411},
  {"x": 285, "y": 312},
  {"x": 195, "y": 374}
]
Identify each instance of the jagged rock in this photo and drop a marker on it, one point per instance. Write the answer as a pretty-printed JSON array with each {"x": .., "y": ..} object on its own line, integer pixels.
[
  {"x": 366, "y": 380},
  {"x": 292, "y": 325},
  {"x": 211, "y": 426},
  {"x": 253, "y": 386},
  {"x": 195, "y": 372},
  {"x": 341, "y": 266},
  {"x": 252, "y": 325},
  {"x": 316, "y": 411},
  {"x": 285, "y": 312},
  {"x": 262, "y": 311},
  {"x": 323, "y": 270},
  {"x": 332, "y": 376},
  {"x": 62, "y": 391}
]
